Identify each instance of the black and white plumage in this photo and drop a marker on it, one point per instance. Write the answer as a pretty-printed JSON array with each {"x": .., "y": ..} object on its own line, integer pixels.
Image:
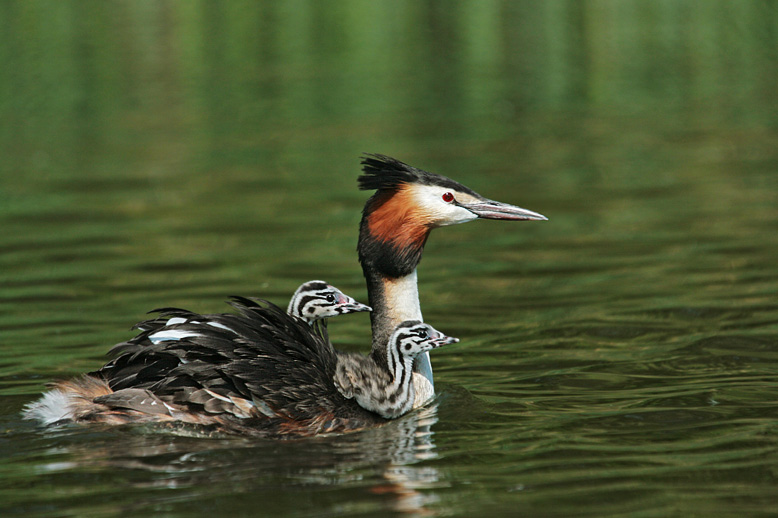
[
  {"x": 316, "y": 300},
  {"x": 313, "y": 302},
  {"x": 258, "y": 371},
  {"x": 388, "y": 390}
]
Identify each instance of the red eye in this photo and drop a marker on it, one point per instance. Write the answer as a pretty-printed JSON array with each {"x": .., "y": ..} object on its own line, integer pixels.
[{"x": 448, "y": 197}]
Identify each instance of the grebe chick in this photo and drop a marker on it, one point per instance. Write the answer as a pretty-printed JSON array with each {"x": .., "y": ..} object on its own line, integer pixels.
[
  {"x": 279, "y": 379},
  {"x": 314, "y": 302},
  {"x": 317, "y": 300},
  {"x": 388, "y": 392}
]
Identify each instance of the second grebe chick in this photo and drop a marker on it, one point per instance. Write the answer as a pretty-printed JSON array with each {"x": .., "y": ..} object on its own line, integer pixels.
[
  {"x": 388, "y": 393},
  {"x": 317, "y": 300}
]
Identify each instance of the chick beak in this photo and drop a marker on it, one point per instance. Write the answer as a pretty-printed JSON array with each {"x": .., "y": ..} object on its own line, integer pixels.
[{"x": 348, "y": 305}]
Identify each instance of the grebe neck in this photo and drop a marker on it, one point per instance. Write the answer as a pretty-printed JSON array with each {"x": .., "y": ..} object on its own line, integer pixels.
[
  {"x": 395, "y": 300},
  {"x": 392, "y": 235}
]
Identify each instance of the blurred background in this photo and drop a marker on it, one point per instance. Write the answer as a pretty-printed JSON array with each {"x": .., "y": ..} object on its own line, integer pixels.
[{"x": 164, "y": 153}]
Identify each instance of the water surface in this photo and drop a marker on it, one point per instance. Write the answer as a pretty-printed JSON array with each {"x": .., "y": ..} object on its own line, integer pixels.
[{"x": 620, "y": 359}]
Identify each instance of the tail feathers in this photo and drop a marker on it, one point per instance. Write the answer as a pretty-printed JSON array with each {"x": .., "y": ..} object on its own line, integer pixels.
[
  {"x": 91, "y": 399},
  {"x": 53, "y": 407},
  {"x": 67, "y": 401}
]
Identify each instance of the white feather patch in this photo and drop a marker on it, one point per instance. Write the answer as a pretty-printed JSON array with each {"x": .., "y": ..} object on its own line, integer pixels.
[
  {"x": 54, "y": 406},
  {"x": 220, "y": 326},
  {"x": 171, "y": 334}
]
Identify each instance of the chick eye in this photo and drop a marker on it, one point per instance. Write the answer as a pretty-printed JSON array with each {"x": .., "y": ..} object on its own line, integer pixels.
[
  {"x": 448, "y": 197},
  {"x": 330, "y": 297},
  {"x": 423, "y": 334}
]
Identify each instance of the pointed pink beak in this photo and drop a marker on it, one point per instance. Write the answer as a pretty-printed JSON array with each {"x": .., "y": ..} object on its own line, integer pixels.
[
  {"x": 350, "y": 305},
  {"x": 440, "y": 340}
]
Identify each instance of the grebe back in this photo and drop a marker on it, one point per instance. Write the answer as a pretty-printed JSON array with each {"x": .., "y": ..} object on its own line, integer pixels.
[{"x": 282, "y": 380}]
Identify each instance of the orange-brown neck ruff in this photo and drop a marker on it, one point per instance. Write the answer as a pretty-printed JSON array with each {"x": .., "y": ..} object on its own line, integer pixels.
[{"x": 397, "y": 219}]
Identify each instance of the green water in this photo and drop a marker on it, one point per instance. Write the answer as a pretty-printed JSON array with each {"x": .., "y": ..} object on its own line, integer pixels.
[{"x": 620, "y": 359}]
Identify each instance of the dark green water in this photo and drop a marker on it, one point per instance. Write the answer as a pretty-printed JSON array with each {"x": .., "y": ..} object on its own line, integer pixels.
[{"x": 620, "y": 359}]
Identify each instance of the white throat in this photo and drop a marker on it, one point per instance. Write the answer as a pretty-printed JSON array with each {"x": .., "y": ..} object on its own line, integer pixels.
[{"x": 402, "y": 297}]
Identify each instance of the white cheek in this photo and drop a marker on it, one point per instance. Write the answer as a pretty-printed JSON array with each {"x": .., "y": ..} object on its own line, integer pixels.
[
  {"x": 442, "y": 213},
  {"x": 457, "y": 215}
]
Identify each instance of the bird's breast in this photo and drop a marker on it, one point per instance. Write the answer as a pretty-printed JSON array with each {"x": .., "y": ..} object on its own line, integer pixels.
[{"x": 424, "y": 389}]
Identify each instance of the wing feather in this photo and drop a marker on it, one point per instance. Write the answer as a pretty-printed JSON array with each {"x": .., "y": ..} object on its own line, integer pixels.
[{"x": 259, "y": 365}]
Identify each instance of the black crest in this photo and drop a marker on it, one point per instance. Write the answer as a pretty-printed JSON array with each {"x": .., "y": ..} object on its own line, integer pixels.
[{"x": 385, "y": 173}]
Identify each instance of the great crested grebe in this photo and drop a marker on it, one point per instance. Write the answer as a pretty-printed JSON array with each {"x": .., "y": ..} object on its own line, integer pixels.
[
  {"x": 280, "y": 379},
  {"x": 263, "y": 371},
  {"x": 396, "y": 222}
]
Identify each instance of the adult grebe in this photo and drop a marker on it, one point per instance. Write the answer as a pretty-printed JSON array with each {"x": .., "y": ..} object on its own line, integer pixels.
[{"x": 396, "y": 222}]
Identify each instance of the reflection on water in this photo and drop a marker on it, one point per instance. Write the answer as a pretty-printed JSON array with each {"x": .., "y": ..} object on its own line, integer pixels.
[
  {"x": 615, "y": 360},
  {"x": 383, "y": 461}
]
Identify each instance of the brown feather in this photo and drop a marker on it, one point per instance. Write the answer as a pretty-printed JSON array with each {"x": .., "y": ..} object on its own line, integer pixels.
[{"x": 397, "y": 219}]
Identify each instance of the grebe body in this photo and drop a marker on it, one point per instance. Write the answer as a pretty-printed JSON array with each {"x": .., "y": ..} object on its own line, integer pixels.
[
  {"x": 313, "y": 303},
  {"x": 280, "y": 379}
]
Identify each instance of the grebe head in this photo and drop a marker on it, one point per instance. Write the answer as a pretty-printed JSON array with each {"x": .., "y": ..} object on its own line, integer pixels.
[
  {"x": 316, "y": 300},
  {"x": 437, "y": 200},
  {"x": 413, "y": 337},
  {"x": 408, "y": 204}
]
